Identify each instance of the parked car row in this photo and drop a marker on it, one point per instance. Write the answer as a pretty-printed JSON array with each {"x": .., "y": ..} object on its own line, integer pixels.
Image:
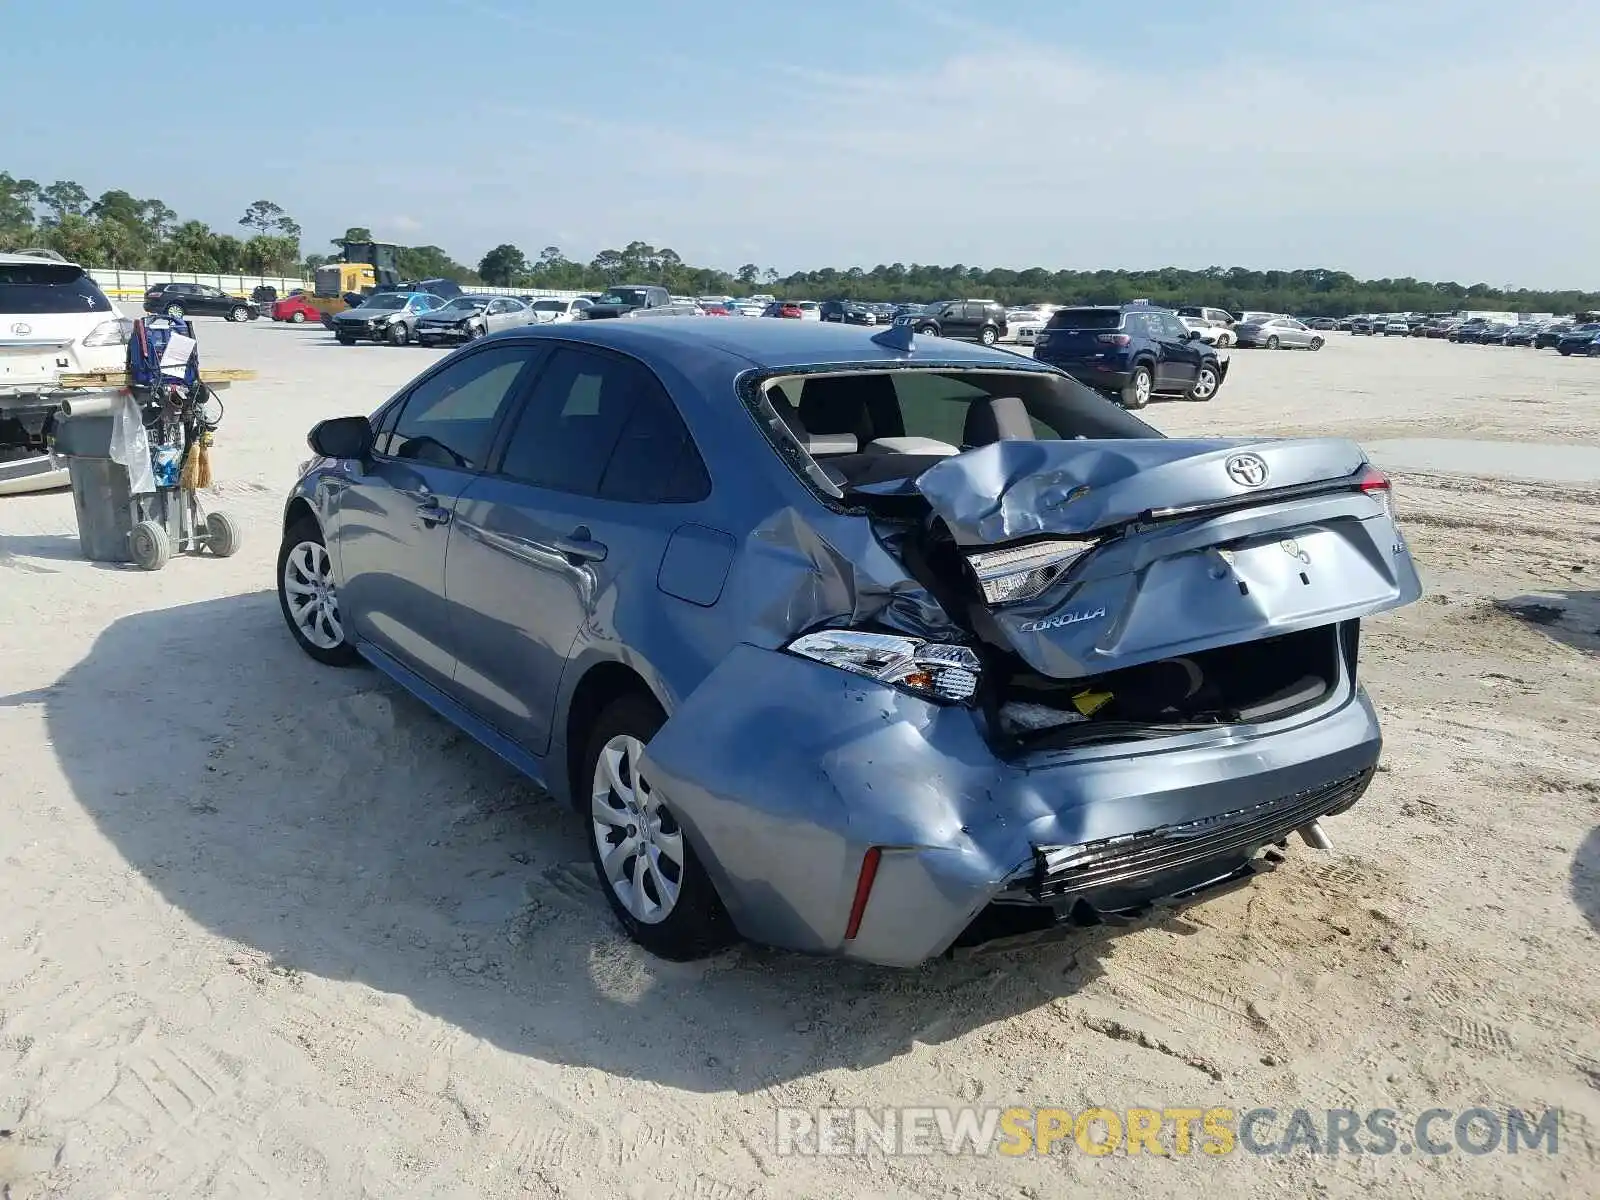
[{"x": 1132, "y": 353}]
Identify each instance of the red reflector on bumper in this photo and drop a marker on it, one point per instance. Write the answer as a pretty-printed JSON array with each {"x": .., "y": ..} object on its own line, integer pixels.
[{"x": 869, "y": 872}]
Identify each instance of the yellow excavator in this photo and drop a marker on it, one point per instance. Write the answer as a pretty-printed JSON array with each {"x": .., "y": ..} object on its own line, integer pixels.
[{"x": 362, "y": 267}]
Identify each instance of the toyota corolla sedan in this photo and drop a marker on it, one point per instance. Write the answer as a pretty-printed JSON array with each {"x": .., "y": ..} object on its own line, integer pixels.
[{"x": 864, "y": 644}]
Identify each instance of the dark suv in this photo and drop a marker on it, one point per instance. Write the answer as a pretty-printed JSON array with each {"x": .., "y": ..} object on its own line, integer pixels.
[
  {"x": 1131, "y": 353},
  {"x": 972, "y": 320},
  {"x": 198, "y": 300}
]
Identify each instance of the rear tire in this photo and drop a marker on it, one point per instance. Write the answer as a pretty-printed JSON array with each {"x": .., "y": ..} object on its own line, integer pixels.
[
  {"x": 1136, "y": 393},
  {"x": 614, "y": 797},
  {"x": 988, "y": 335},
  {"x": 175, "y": 311},
  {"x": 222, "y": 535},
  {"x": 149, "y": 546},
  {"x": 298, "y": 318}
]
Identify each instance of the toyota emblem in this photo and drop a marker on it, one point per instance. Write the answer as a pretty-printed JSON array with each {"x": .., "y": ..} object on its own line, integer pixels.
[
  {"x": 22, "y": 329},
  {"x": 1247, "y": 470}
]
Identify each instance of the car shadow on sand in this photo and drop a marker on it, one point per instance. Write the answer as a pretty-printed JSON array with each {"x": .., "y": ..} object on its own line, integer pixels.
[
  {"x": 331, "y": 825},
  {"x": 1570, "y": 617},
  {"x": 1585, "y": 878}
]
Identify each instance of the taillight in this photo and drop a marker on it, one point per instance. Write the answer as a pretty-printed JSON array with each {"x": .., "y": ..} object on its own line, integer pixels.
[
  {"x": 1114, "y": 339},
  {"x": 1373, "y": 482}
]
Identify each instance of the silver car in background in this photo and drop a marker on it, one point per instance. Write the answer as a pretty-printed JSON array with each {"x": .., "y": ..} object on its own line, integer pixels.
[
  {"x": 1278, "y": 333},
  {"x": 470, "y": 316}
]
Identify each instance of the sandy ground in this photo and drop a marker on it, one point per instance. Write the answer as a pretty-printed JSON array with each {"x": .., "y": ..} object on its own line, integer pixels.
[{"x": 269, "y": 929}]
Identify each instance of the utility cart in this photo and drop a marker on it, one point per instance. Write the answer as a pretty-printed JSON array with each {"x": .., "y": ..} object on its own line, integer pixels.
[{"x": 137, "y": 447}]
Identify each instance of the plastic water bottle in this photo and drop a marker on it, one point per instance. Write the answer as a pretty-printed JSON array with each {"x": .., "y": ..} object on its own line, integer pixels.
[{"x": 167, "y": 462}]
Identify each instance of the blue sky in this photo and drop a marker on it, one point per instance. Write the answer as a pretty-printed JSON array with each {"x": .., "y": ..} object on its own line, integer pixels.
[{"x": 1416, "y": 137}]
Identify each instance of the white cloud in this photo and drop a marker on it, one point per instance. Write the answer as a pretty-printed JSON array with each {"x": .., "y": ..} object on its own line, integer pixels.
[
  {"x": 404, "y": 224},
  {"x": 1480, "y": 167}
]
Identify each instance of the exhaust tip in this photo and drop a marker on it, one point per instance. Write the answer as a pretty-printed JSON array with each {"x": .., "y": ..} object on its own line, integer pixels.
[{"x": 1313, "y": 835}]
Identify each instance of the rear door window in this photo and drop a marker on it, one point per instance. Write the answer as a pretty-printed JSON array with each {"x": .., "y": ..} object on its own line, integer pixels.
[{"x": 40, "y": 288}]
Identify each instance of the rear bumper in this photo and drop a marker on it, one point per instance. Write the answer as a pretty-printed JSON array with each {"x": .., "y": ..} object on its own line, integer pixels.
[
  {"x": 1107, "y": 374},
  {"x": 784, "y": 811}
]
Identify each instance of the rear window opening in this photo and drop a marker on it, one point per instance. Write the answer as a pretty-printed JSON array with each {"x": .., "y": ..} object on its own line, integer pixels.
[
  {"x": 858, "y": 434},
  {"x": 1248, "y": 683},
  {"x": 28, "y": 289}
]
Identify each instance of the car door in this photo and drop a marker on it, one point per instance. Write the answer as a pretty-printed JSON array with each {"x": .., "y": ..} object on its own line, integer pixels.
[
  {"x": 208, "y": 301},
  {"x": 1178, "y": 356},
  {"x": 567, "y": 531},
  {"x": 394, "y": 514}
]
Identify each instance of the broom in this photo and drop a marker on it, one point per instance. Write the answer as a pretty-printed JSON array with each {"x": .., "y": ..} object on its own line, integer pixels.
[{"x": 197, "y": 464}]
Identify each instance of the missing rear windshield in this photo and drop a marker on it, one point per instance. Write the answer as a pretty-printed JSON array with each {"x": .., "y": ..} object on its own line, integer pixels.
[
  {"x": 38, "y": 288},
  {"x": 840, "y": 428}
]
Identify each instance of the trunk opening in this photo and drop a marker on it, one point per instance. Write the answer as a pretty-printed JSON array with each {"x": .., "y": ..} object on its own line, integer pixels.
[{"x": 1246, "y": 682}]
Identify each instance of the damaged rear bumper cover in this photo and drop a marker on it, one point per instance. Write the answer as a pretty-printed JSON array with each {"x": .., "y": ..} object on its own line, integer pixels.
[{"x": 832, "y": 767}]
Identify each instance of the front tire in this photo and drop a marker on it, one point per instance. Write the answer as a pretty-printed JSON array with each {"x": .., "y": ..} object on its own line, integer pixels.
[
  {"x": 298, "y": 318},
  {"x": 1316, "y": 343},
  {"x": 1272, "y": 342},
  {"x": 1136, "y": 393},
  {"x": 308, "y": 597},
  {"x": 239, "y": 314},
  {"x": 656, "y": 887},
  {"x": 345, "y": 339},
  {"x": 928, "y": 330},
  {"x": 399, "y": 335},
  {"x": 1206, "y": 383}
]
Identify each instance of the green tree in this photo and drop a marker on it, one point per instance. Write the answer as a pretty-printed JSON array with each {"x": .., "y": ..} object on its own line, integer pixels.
[
  {"x": 64, "y": 198},
  {"x": 748, "y": 274},
  {"x": 503, "y": 265},
  {"x": 356, "y": 233}
]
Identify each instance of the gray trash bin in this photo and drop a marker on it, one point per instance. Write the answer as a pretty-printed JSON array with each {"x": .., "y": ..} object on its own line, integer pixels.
[{"x": 100, "y": 491}]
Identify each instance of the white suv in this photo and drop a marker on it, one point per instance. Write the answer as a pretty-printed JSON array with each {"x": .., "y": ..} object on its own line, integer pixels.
[{"x": 54, "y": 319}]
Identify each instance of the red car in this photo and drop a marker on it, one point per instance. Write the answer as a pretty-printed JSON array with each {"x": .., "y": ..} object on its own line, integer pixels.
[
  {"x": 296, "y": 309},
  {"x": 783, "y": 309},
  {"x": 714, "y": 310}
]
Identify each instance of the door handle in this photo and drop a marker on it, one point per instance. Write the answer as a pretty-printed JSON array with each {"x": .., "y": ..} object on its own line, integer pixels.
[
  {"x": 431, "y": 513},
  {"x": 580, "y": 546}
]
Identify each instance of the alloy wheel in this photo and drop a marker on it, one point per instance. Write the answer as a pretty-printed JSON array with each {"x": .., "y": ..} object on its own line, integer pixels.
[{"x": 312, "y": 599}]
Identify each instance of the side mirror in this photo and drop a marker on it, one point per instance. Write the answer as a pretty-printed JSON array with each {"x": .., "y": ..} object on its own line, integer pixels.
[{"x": 342, "y": 437}]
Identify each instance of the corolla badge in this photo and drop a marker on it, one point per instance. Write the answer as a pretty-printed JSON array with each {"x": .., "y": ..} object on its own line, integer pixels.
[
  {"x": 1247, "y": 470},
  {"x": 22, "y": 329},
  {"x": 1063, "y": 620}
]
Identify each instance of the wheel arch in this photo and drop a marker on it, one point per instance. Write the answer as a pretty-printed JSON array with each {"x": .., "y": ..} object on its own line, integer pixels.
[
  {"x": 297, "y": 510},
  {"x": 601, "y": 685}
]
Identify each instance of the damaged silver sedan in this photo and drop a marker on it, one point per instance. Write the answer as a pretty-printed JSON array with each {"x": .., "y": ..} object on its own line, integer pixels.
[{"x": 872, "y": 645}]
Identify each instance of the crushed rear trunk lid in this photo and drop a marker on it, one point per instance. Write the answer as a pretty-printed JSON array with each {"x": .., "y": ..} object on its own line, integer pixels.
[{"x": 1091, "y": 556}]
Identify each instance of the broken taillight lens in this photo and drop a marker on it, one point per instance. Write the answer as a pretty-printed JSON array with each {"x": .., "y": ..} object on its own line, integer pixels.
[{"x": 1376, "y": 484}]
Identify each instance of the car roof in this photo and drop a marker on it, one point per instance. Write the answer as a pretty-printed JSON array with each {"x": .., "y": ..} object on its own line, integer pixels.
[
  {"x": 769, "y": 345},
  {"x": 32, "y": 259}
]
